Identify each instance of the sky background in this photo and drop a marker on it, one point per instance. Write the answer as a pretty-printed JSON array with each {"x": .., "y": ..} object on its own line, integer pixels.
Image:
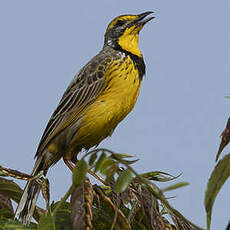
[{"x": 181, "y": 111}]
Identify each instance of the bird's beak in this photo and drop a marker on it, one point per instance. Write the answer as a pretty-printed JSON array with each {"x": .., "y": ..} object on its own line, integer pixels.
[{"x": 141, "y": 20}]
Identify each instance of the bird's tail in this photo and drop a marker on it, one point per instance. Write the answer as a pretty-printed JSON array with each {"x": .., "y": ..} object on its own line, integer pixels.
[{"x": 29, "y": 197}]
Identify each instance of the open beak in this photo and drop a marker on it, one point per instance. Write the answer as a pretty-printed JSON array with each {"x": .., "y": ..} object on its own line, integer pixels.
[{"x": 141, "y": 20}]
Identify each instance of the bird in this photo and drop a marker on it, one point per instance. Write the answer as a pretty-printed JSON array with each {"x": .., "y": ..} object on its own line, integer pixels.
[{"x": 98, "y": 98}]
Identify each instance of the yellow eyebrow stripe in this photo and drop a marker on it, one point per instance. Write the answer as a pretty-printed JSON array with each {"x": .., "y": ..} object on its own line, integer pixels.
[{"x": 122, "y": 18}]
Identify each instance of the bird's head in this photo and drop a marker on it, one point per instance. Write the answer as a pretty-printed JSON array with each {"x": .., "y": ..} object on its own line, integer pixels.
[{"x": 123, "y": 32}]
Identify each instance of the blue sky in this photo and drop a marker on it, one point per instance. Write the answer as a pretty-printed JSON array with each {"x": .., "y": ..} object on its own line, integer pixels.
[{"x": 181, "y": 110}]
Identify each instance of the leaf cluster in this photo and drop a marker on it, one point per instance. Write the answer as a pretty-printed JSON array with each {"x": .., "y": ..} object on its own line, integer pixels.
[{"x": 122, "y": 200}]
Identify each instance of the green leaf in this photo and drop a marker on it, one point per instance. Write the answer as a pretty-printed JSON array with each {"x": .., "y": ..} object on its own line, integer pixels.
[
  {"x": 107, "y": 163},
  {"x": 123, "y": 181},
  {"x": 10, "y": 224},
  {"x": 62, "y": 216},
  {"x": 10, "y": 189},
  {"x": 79, "y": 172},
  {"x": 110, "y": 172},
  {"x": 63, "y": 219},
  {"x": 99, "y": 162},
  {"x": 46, "y": 222},
  {"x": 92, "y": 159},
  {"x": 129, "y": 162},
  {"x": 120, "y": 155},
  {"x": 159, "y": 176},
  {"x": 5, "y": 213},
  {"x": 175, "y": 186},
  {"x": 120, "y": 158},
  {"x": 218, "y": 177}
]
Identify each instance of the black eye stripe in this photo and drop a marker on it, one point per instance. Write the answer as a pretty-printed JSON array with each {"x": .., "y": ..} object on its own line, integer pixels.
[{"x": 121, "y": 22}]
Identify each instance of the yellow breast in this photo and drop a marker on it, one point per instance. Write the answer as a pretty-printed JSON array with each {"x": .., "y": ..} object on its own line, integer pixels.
[{"x": 112, "y": 106}]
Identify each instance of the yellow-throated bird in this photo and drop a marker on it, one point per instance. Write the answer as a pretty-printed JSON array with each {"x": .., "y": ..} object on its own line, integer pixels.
[{"x": 98, "y": 98}]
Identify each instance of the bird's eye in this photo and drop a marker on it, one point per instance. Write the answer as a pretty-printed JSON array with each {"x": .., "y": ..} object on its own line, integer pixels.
[{"x": 120, "y": 22}]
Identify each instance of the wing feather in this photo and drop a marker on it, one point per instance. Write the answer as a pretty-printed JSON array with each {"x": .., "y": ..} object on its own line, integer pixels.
[{"x": 84, "y": 88}]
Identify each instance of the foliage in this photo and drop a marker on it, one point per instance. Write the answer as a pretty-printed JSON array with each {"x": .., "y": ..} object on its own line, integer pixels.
[
  {"x": 125, "y": 201},
  {"x": 219, "y": 175}
]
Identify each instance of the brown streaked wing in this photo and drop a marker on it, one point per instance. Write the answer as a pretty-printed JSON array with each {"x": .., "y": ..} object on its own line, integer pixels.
[{"x": 84, "y": 88}]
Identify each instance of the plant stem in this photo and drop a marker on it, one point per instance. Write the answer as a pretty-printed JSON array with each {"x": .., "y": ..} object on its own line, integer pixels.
[{"x": 63, "y": 199}]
